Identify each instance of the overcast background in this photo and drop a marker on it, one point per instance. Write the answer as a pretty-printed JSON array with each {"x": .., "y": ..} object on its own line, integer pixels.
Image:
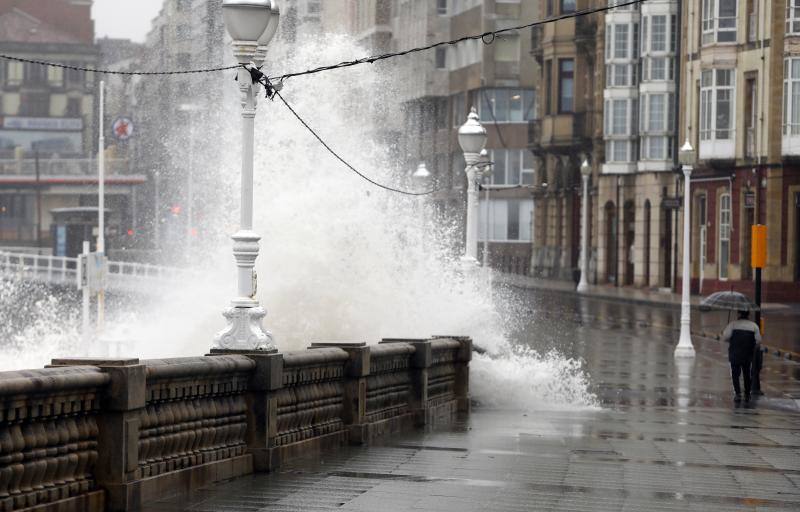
[{"x": 127, "y": 19}]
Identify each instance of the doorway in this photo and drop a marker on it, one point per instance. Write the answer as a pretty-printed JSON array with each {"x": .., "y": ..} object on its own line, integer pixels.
[
  {"x": 629, "y": 220},
  {"x": 666, "y": 247},
  {"x": 611, "y": 244}
]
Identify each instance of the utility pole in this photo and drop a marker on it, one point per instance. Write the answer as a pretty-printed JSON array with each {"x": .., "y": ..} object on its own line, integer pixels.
[{"x": 101, "y": 214}]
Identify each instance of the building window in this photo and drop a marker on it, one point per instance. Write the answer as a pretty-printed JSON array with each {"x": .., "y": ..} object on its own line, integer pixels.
[
  {"x": 566, "y": 85},
  {"x": 716, "y": 104},
  {"x": 15, "y": 72},
  {"x": 507, "y": 105},
  {"x": 621, "y": 41},
  {"x": 512, "y": 167},
  {"x": 55, "y": 76},
  {"x": 75, "y": 77},
  {"x": 441, "y": 7},
  {"x": 567, "y": 6},
  {"x": 657, "y": 125},
  {"x": 791, "y": 97},
  {"x": 73, "y": 107},
  {"x": 793, "y": 16},
  {"x": 621, "y": 47},
  {"x": 658, "y": 34},
  {"x": 509, "y": 220},
  {"x": 35, "y": 74},
  {"x": 441, "y": 58},
  {"x": 619, "y": 126},
  {"x": 719, "y": 21},
  {"x": 35, "y": 104},
  {"x": 724, "y": 234}
]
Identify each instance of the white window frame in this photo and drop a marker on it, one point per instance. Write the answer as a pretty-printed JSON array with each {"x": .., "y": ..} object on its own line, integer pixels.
[
  {"x": 527, "y": 97},
  {"x": 713, "y": 25},
  {"x": 791, "y": 100},
  {"x": 653, "y": 134},
  {"x": 518, "y": 174},
  {"x": 621, "y": 68},
  {"x": 709, "y": 102},
  {"x": 498, "y": 220},
  {"x": 724, "y": 235},
  {"x": 792, "y": 17},
  {"x": 618, "y": 141}
]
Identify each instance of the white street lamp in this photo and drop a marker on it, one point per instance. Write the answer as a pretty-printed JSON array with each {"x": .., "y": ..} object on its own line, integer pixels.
[
  {"x": 486, "y": 168},
  {"x": 247, "y": 22},
  {"x": 685, "y": 348},
  {"x": 472, "y": 139},
  {"x": 422, "y": 174},
  {"x": 586, "y": 173}
]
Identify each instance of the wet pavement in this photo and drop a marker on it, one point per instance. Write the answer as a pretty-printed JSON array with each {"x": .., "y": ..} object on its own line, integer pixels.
[{"x": 666, "y": 437}]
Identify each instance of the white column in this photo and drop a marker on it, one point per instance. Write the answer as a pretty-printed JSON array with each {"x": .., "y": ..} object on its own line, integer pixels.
[
  {"x": 101, "y": 214},
  {"x": 244, "y": 330},
  {"x": 583, "y": 286},
  {"x": 470, "y": 257},
  {"x": 685, "y": 348}
]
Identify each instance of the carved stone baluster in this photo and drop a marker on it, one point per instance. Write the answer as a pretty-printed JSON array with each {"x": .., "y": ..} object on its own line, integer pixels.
[
  {"x": 6, "y": 451},
  {"x": 29, "y": 439},
  {"x": 51, "y": 454}
]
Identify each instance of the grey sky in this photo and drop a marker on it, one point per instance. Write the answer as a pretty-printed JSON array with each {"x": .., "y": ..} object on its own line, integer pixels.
[{"x": 129, "y": 19}]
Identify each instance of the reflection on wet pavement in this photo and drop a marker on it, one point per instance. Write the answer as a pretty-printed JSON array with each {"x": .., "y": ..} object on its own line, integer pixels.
[{"x": 668, "y": 437}]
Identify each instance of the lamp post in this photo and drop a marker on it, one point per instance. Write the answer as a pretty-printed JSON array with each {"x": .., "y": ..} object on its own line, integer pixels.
[
  {"x": 472, "y": 139},
  {"x": 486, "y": 167},
  {"x": 685, "y": 348},
  {"x": 251, "y": 24},
  {"x": 586, "y": 172}
]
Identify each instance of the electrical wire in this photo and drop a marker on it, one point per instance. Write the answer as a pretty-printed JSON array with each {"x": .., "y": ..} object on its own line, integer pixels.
[
  {"x": 486, "y": 37},
  {"x": 113, "y": 72},
  {"x": 341, "y": 159},
  {"x": 483, "y": 37}
]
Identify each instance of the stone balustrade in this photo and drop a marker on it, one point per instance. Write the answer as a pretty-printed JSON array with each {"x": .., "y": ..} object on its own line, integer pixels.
[{"x": 115, "y": 434}]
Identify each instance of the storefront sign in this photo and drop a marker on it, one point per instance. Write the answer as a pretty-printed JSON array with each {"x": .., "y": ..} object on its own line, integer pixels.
[{"x": 42, "y": 123}]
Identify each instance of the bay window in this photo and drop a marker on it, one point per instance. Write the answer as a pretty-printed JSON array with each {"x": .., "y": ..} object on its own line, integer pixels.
[
  {"x": 716, "y": 104},
  {"x": 621, "y": 49},
  {"x": 566, "y": 85},
  {"x": 619, "y": 129},
  {"x": 792, "y": 17},
  {"x": 658, "y": 122},
  {"x": 791, "y": 97},
  {"x": 719, "y": 21}
]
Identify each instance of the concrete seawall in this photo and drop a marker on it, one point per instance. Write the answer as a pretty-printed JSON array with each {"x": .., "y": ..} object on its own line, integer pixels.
[{"x": 96, "y": 435}]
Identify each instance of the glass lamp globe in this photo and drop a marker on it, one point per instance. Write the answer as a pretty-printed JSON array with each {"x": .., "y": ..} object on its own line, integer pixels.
[
  {"x": 246, "y": 20},
  {"x": 472, "y": 134}
]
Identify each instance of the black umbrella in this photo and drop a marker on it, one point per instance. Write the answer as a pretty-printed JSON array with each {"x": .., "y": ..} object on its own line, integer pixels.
[{"x": 729, "y": 300}]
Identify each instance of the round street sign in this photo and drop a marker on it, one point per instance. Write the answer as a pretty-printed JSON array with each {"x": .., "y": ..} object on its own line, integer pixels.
[{"x": 122, "y": 128}]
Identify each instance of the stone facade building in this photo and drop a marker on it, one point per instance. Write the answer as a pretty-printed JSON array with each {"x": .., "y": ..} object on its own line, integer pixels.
[
  {"x": 741, "y": 96},
  {"x": 568, "y": 129}
]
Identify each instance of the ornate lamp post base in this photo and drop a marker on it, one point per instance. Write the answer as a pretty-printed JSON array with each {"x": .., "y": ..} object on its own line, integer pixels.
[{"x": 244, "y": 330}]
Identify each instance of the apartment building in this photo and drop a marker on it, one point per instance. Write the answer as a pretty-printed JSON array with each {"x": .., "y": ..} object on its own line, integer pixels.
[
  {"x": 48, "y": 125},
  {"x": 740, "y": 92},
  {"x": 437, "y": 91},
  {"x": 569, "y": 87},
  {"x": 636, "y": 196}
]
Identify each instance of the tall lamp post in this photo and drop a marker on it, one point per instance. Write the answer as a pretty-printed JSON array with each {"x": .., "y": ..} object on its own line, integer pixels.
[
  {"x": 472, "y": 139},
  {"x": 586, "y": 172},
  {"x": 486, "y": 168},
  {"x": 251, "y": 24},
  {"x": 685, "y": 348}
]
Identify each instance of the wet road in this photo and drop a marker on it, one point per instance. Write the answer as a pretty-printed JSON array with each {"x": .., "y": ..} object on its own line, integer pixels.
[{"x": 668, "y": 437}]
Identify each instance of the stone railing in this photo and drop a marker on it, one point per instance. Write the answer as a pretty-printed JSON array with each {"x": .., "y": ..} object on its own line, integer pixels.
[
  {"x": 49, "y": 437},
  {"x": 116, "y": 434}
]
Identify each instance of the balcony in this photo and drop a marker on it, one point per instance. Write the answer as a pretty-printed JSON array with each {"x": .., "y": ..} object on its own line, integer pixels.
[
  {"x": 719, "y": 149},
  {"x": 558, "y": 131},
  {"x": 65, "y": 171}
]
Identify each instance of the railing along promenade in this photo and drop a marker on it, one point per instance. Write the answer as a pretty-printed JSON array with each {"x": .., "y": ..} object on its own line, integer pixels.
[
  {"x": 121, "y": 275},
  {"x": 95, "y": 435}
]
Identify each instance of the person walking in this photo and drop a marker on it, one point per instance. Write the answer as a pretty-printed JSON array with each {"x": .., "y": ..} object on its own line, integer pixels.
[{"x": 743, "y": 337}]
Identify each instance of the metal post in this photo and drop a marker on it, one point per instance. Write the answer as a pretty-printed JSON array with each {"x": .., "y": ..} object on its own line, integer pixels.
[
  {"x": 470, "y": 257},
  {"x": 583, "y": 285},
  {"x": 101, "y": 210},
  {"x": 685, "y": 348},
  {"x": 38, "y": 200},
  {"x": 487, "y": 237},
  {"x": 85, "y": 296}
]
